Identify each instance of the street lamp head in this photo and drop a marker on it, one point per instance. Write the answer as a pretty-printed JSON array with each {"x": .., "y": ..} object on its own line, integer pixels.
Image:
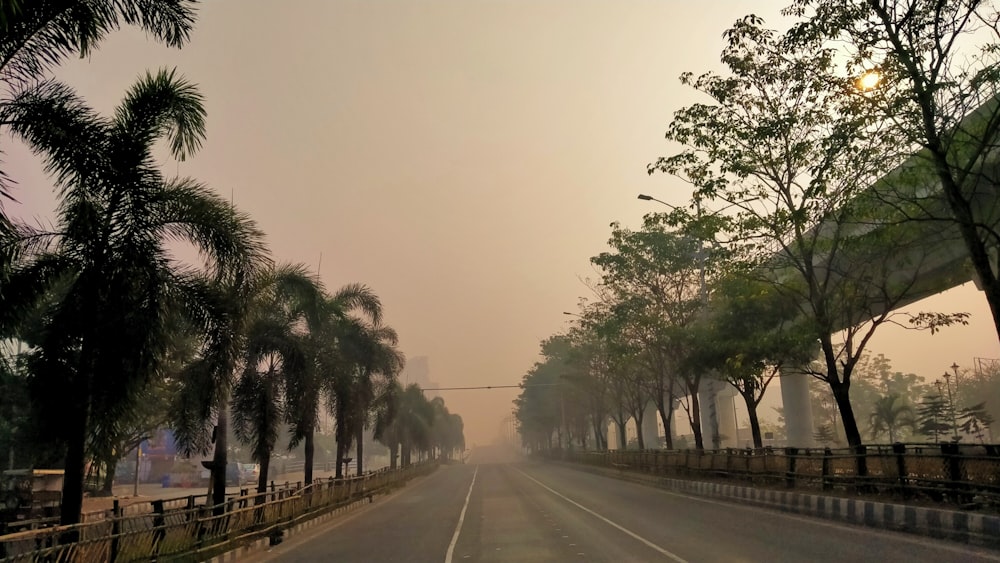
[
  {"x": 947, "y": 376},
  {"x": 645, "y": 197},
  {"x": 954, "y": 367}
]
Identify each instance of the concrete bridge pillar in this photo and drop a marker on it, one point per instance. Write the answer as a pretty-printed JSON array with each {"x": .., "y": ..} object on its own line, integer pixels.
[
  {"x": 727, "y": 416},
  {"x": 797, "y": 408},
  {"x": 707, "y": 395},
  {"x": 650, "y": 429}
]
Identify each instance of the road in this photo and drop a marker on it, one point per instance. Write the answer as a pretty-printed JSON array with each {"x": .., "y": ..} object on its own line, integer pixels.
[{"x": 498, "y": 509}]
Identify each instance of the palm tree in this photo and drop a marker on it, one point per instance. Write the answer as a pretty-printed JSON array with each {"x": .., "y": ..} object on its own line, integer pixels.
[
  {"x": 276, "y": 353},
  {"x": 368, "y": 361},
  {"x": 386, "y": 428},
  {"x": 37, "y": 35},
  {"x": 105, "y": 278},
  {"x": 890, "y": 415},
  {"x": 260, "y": 307},
  {"x": 415, "y": 418},
  {"x": 207, "y": 383},
  {"x": 326, "y": 319},
  {"x": 377, "y": 366}
]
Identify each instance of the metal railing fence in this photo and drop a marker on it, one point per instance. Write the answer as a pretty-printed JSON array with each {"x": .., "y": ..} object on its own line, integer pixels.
[
  {"x": 182, "y": 529},
  {"x": 965, "y": 474}
]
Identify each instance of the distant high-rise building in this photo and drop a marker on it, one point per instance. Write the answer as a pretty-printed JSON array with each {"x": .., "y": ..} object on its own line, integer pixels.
[{"x": 418, "y": 371}]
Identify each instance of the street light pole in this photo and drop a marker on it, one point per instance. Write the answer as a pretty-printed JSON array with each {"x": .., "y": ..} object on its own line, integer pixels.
[{"x": 951, "y": 405}]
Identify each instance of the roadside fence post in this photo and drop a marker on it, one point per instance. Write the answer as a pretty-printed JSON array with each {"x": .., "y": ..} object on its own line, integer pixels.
[{"x": 791, "y": 453}]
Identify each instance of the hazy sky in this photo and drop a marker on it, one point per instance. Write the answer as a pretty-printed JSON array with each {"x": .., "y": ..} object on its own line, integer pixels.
[{"x": 464, "y": 158}]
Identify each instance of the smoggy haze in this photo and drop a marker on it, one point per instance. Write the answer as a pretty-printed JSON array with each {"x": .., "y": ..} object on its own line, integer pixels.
[{"x": 464, "y": 158}]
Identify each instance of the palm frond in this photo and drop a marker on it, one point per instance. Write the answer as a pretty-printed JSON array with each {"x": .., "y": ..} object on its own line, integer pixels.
[
  {"x": 163, "y": 104},
  {"x": 358, "y": 296},
  {"x": 186, "y": 210},
  {"x": 42, "y": 33},
  {"x": 56, "y": 123}
]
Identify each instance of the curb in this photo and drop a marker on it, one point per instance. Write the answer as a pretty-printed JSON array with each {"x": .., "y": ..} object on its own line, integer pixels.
[{"x": 963, "y": 527}]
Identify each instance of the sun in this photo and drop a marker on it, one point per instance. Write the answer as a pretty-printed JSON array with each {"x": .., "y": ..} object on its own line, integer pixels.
[{"x": 868, "y": 81}]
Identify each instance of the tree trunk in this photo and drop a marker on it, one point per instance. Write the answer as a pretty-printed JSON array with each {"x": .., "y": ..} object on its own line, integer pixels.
[
  {"x": 699, "y": 441},
  {"x": 622, "y": 437},
  {"x": 359, "y": 435},
  {"x": 73, "y": 471},
  {"x": 108, "y": 487},
  {"x": 758, "y": 440},
  {"x": 338, "y": 472},
  {"x": 310, "y": 455},
  {"x": 340, "y": 437},
  {"x": 639, "y": 440},
  {"x": 666, "y": 417},
  {"x": 220, "y": 459},
  {"x": 841, "y": 393},
  {"x": 265, "y": 466},
  {"x": 393, "y": 451},
  {"x": 404, "y": 452}
]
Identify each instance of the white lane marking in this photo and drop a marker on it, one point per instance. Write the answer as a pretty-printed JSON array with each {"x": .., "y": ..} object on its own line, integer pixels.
[
  {"x": 628, "y": 532},
  {"x": 461, "y": 518}
]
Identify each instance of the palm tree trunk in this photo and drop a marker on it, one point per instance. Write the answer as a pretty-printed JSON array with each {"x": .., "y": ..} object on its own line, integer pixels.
[
  {"x": 72, "y": 493},
  {"x": 359, "y": 435},
  {"x": 265, "y": 467},
  {"x": 310, "y": 454},
  {"x": 220, "y": 459},
  {"x": 109, "y": 478},
  {"x": 341, "y": 438}
]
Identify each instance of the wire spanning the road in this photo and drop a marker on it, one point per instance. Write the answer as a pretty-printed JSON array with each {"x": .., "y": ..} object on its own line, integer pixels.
[{"x": 521, "y": 386}]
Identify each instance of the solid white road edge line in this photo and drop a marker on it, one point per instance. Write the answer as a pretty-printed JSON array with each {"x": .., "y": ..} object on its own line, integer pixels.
[
  {"x": 630, "y": 533},
  {"x": 461, "y": 518}
]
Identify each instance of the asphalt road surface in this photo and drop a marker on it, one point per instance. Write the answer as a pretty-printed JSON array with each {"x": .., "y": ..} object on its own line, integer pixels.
[{"x": 498, "y": 508}]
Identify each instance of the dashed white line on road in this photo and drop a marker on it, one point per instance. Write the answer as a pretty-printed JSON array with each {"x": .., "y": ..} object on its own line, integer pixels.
[
  {"x": 461, "y": 518},
  {"x": 619, "y": 527}
]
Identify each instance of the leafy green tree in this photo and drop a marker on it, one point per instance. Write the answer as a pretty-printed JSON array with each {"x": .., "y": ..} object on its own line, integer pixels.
[
  {"x": 105, "y": 278},
  {"x": 790, "y": 158},
  {"x": 747, "y": 341},
  {"x": 938, "y": 65},
  {"x": 654, "y": 278},
  {"x": 889, "y": 417},
  {"x": 539, "y": 405}
]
